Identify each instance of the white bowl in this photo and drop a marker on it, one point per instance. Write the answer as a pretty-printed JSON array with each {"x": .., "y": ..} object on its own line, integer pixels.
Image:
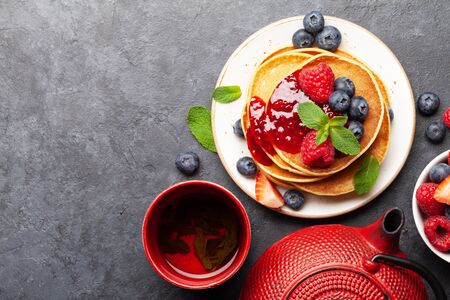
[{"x": 419, "y": 217}]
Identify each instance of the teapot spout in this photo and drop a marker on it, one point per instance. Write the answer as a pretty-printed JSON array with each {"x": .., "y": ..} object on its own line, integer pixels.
[{"x": 384, "y": 234}]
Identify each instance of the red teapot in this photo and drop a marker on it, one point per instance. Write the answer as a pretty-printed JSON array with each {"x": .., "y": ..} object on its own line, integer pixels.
[{"x": 332, "y": 262}]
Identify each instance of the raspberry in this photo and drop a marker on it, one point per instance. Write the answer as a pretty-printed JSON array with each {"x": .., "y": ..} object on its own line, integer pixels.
[
  {"x": 317, "y": 83},
  {"x": 316, "y": 156},
  {"x": 426, "y": 201},
  {"x": 437, "y": 230},
  {"x": 446, "y": 117}
]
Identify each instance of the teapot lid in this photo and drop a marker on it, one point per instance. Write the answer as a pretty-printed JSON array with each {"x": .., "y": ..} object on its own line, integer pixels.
[{"x": 336, "y": 283}]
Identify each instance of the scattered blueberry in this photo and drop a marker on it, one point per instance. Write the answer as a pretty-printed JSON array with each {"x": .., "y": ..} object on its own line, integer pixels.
[
  {"x": 339, "y": 101},
  {"x": 187, "y": 162},
  {"x": 246, "y": 166},
  {"x": 237, "y": 128},
  {"x": 357, "y": 128},
  {"x": 435, "y": 132},
  {"x": 439, "y": 172},
  {"x": 302, "y": 39},
  {"x": 428, "y": 103},
  {"x": 345, "y": 84},
  {"x": 359, "y": 108},
  {"x": 391, "y": 114},
  {"x": 447, "y": 211},
  {"x": 294, "y": 199},
  {"x": 313, "y": 22},
  {"x": 329, "y": 38}
]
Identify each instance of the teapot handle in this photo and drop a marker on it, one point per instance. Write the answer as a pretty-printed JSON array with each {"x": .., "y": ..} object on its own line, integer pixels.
[{"x": 435, "y": 285}]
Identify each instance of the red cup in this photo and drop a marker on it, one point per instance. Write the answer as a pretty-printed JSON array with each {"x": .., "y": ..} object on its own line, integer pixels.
[{"x": 150, "y": 226}]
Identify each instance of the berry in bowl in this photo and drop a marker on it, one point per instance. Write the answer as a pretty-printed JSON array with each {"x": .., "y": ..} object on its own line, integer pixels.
[{"x": 431, "y": 205}]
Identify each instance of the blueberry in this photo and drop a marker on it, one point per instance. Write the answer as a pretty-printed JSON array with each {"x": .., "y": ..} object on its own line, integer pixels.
[
  {"x": 339, "y": 101},
  {"x": 313, "y": 22},
  {"x": 359, "y": 108},
  {"x": 237, "y": 128},
  {"x": 187, "y": 162},
  {"x": 329, "y": 38},
  {"x": 439, "y": 172},
  {"x": 428, "y": 103},
  {"x": 447, "y": 211},
  {"x": 357, "y": 128},
  {"x": 246, "y": 166},
  {"x": 345, "y": 84},
  {"x": 391, "y": 114},
  {"x": 294, "y": 199},
  {"x": 435, "y": 132},
  {"x": 302, "y": 39}
]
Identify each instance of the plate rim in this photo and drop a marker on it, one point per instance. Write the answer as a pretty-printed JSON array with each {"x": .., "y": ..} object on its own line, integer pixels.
[{"x": 298, "y": 214}]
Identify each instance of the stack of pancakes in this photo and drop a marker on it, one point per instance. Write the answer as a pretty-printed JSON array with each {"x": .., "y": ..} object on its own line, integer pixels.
[{"x": 288, "y": 169}]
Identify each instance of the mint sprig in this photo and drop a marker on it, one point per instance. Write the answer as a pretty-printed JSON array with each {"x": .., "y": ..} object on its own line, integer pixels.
[
  {"x": 313, "y": 117},
  {"x": 367, "y": 175},
  {"x": 227, "y": 94},
  {"x": 199, "y": 122}
]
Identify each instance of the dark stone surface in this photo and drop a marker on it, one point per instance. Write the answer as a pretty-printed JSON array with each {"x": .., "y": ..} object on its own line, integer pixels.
[{"x": 92, "y": 114}]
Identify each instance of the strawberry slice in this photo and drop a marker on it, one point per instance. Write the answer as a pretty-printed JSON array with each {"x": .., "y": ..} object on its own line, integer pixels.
[
  {"x": 266, "y": 193},
  {"x": 442, "y": 193}
]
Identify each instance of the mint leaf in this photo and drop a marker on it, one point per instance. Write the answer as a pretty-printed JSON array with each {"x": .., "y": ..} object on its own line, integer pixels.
[
  {"x": 338, "y": 121},
  {"x": 227, "y": 94},
  {"x": 199, "y": 122},
  {"x": 344, "y": 140},
  {"x": 322, "y": 135},
  {"x": 312, "y": 115},
  {"x": 367, "y": 175}
]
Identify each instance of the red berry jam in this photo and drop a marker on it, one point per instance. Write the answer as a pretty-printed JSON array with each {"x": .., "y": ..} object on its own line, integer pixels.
[
  {"x": 257, "y": 152},
  {"x": 257, "y": 137},
  {"x": 286, "y": 130},
  {"x": 279, "y": 124},
  {"x": 259, "y": 124}
]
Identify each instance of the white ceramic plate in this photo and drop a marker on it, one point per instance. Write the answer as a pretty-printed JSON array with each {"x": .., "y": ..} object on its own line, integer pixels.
[
  {"x": 361, "y": 44},
  {"x": 419, "y": 217}
]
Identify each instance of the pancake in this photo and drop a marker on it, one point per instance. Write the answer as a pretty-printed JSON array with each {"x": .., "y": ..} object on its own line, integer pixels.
[
  {"x": 342, "y": 182},
  {"x": 283, "y": 174},
  {"x": 289, "y": 49},
  {"x": 366, "y": 86},
  {"x": 278, "y": 182},
  {"x": 286, "y": 176}
]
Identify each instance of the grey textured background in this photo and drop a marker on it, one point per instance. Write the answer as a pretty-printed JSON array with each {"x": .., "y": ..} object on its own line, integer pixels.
[{"x": 93, "y": 97}]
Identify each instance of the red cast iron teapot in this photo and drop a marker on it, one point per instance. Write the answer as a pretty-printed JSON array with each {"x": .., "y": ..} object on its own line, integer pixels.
[{"x": 332, "y": 262}]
